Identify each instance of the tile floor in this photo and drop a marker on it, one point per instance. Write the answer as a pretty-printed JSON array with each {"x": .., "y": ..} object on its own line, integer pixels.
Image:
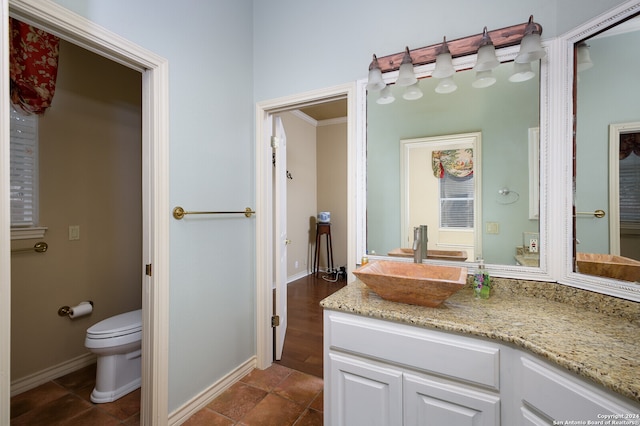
[{"x": 277, "y": 396}]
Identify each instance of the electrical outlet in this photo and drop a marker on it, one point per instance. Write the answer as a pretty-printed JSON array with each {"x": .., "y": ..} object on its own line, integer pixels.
[
  {"x": 296, "y": 264},
  {"x": 533, "y": 245}
]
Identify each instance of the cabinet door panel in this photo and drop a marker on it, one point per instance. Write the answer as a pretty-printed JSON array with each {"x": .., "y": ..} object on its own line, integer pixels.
[
  {"x": 364, "y": 392},
  {"x": 429, "y": 402}
]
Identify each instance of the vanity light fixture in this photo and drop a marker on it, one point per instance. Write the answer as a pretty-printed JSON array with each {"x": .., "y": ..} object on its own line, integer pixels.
[
  {"x": 583, "y": 57},
  {"x": 531, "y": 46},
  {"x": 444, "y": 70},
  {"x": 521, "y": 72},
  {"x": 446, "y": 85},
  {"x": 406, "y": 76},
  {"x": 412, "y": 92},
  {"x": 386, "y": 96},
  {"x": 444, "y": 66},
  {"x": 485, "y": 62},
  {"x": 375, "y": 83}
]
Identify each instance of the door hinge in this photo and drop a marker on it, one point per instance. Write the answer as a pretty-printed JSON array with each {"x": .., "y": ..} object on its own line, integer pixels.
[
  {"x": 148, "y": 269},
  {"x": 275, "y": 142},
  {"x": 275, "y": 320}
]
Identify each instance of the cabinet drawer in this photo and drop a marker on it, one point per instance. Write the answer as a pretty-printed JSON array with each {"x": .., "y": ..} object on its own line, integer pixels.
[
  {"x": 562, "y": 397},
  {"x": 427, "y": 350}
]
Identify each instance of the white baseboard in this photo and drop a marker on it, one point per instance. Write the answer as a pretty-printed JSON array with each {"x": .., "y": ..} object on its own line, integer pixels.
[
  {"x": 36, "y": 379},
  {"x": 297, "y": 276},
  {"x": 191, "y": 407}
]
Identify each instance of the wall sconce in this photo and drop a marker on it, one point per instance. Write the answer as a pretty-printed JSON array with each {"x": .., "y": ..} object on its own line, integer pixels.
[
  {"x": 521, "y": 72},
  {"x": 412, "y": 92},
  {"x": 444, "y": 70},
  {"x": 531, "y": 47},
  {"x": 386, "y": 96},
  {"x": 583, "y": 57},
  {"x": 375, "y": 76},
  {"x": 406, "y": 76},
  {"x": 486, "y": 62}
]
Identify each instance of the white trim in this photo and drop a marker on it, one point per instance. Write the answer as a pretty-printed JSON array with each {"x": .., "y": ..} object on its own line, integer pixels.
[
  {"x": 544, "y": 271},
  {"x": 201, "y": 400},
  {"x": 562, "y": 162},
  {"x": 297, "y": 276},
  {"x": 534, "y": 173},
  {"x": 36, "y": 379},
  {"x": 264, "y": 221},
  {"x": 155, "y": 145},
  {"x": 614, "y": 181}
]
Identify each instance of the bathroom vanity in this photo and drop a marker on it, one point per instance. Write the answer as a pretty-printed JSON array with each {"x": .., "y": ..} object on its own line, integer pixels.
[{"x": 532, "y": 354}]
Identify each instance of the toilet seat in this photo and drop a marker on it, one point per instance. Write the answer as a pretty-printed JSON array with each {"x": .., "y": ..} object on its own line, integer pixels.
[{"x": 115, "y": 331}]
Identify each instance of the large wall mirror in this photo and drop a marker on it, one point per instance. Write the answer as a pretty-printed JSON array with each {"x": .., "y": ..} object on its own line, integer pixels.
[
  {"x": 504, "y": 119},
  {"x": 606, "y": 173}
]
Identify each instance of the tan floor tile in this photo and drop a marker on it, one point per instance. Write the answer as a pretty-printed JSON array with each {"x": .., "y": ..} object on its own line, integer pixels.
[
  {"x": 299, "y": 387},
  {"x": 79, "y": 379},
  {"x": 237, "y": 401},
  {"x": 310, "y": 418},
  {"x": 318, "y": 402},
  {"x": 124, "y": 407},
  {"x": 56, "y": 412},
  {"x": 93, "y": 417},
  {"x": 35, "y": 397},
  {"x": 268, "y": 378},
  {"x": 273, "y": 410},
  {"x": 206, "y": 417}
]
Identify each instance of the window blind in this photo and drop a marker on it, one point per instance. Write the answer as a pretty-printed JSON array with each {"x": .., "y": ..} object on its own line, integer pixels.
[
  {"x": 456, "y": 201},
  {"x": 23, "y": 169},
  {"x": 630, "y": 189}
]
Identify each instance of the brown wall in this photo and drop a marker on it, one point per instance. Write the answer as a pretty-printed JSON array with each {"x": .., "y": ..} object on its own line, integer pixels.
[{"x": 90, "y": 175}]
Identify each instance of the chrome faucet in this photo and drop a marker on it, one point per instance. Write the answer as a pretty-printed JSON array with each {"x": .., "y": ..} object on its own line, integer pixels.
[{"x": 420, "y": 240}]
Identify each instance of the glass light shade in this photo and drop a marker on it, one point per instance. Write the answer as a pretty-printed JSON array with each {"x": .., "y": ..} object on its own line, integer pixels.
[
  {"x": 487, "y": 59},
  {"x": 412, "y": 92},
  {"x": 530, "y": 49},
  {"x": 375, "y": 82},
  {"x": 444, "y": 66},
  {"x": 446, "y": 85},
  {"x": 521, "y": 72},
  {"x": 406, "y": 76},
  {"x": 386, "y": 97},
  {"x": 583, "y": 57},
  {"x": 483, "y": 79}
]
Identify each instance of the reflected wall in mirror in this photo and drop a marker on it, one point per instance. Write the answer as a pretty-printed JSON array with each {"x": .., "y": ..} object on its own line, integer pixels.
[
  {"x": 506, "y": 115},
  {"x": 607, "y": 89}
]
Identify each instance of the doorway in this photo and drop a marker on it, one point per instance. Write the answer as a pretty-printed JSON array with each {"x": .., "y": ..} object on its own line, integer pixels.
[
  {"x": 264, "y": 201},
  {"x": 77, "y": 30}
]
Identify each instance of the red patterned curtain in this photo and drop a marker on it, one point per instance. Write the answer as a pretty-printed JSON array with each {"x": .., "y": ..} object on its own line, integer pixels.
[
  {"x": 33, "y": 66},
  {"x": 455, "y": 162},
  {"x": 629, "y": 143}
]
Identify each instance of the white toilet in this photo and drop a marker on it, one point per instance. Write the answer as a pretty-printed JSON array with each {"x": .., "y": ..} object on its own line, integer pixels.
[{"x": 117, "y": 341}]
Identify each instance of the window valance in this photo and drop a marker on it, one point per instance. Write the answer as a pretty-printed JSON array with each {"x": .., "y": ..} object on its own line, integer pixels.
[
  {"x": 629, "y": 143},
  {"x": 33, "y": 66},
  {"x": 455, "y": 162}
]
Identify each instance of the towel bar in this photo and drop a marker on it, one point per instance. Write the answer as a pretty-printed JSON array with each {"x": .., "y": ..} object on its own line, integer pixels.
[
  {"x": 598, "y": 213},
  {"x": 179, "y": 212},
  {"x": 39, "y": 247}
]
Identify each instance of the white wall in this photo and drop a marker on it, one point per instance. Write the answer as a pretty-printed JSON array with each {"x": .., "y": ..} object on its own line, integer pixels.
[{"x": 212, "y": 293}]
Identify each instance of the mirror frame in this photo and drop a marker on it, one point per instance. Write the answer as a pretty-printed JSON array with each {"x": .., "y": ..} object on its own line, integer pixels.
[
  {"x": 563, "y": 67},
  {"x": 540, "y": 273}
]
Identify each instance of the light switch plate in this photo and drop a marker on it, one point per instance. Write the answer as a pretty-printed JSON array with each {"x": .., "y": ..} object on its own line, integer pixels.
[{"x": 74, "y": 232}]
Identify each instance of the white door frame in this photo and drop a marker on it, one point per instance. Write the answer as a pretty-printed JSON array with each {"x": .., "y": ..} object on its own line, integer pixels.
[
  {"x": 155, "y": 148},
  {"x": 264, "y": 200}
]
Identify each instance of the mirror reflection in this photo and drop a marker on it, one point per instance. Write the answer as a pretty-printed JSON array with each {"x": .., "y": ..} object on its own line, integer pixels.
[
  {"x": 501, "y": 214},
  {"x": 607, "y": 152}
]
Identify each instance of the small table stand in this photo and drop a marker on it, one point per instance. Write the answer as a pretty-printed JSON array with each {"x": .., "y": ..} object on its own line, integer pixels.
[{"x": 323, "y": 229}]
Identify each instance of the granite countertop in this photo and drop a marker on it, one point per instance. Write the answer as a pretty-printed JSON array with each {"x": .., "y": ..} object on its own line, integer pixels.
[{"x": 593, "y": 335}]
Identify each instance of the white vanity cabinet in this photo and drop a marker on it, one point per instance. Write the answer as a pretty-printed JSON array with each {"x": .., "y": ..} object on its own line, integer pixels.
[
  {"x": 385, "y": 373},
  {"x": 382, "y": 373}
]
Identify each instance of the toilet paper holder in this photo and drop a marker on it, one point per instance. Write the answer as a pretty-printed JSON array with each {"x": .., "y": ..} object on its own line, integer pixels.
[{"x": 68, "y": 310}]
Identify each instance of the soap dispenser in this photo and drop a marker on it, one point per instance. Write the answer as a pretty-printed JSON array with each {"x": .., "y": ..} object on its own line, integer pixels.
[{"x": 481, "y": 281}]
